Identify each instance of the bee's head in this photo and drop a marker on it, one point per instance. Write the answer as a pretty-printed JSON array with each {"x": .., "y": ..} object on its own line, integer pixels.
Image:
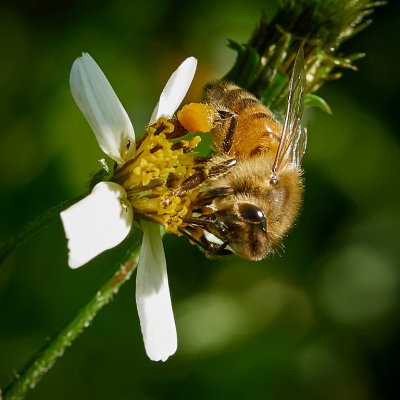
[
  {"x": 244, "y": 227},
  {"x": 255, "y": 217}
]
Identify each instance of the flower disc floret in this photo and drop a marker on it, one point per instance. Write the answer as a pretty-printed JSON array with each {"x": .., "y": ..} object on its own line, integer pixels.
[{"x": 152, "y": 178}]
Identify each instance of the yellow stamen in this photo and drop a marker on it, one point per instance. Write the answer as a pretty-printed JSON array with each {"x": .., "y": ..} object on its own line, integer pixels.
[{"x": 153, "y": 177}]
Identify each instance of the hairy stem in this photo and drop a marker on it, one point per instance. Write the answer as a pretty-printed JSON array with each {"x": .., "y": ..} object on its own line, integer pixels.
[{"x": 47, "y": 356}]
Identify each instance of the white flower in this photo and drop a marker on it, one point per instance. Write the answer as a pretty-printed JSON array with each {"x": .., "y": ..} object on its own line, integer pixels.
[{"x": 103, "y": 219}]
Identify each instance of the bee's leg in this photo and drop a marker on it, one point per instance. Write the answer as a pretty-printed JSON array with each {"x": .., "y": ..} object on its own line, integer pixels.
[
  {"x": 216, "y": 171},
  {"x": 222, "y": 251},
  {"x": 202, "y": 222},
  {"x": 179, "y": 130},
  {"x": 212, "y": 248},
  {"x": 212, "y": 173},
  {"x": 206, "y": 197},
  {"x": 228, "y": 139},
  {"x": 199, "y": 243},
  {"x": 209, "y": 247},
  {"x": 191, "y": 183}
]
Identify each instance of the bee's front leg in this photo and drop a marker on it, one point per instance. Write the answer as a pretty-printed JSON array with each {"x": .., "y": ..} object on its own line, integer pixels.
[{"x": 210, "y": 248}]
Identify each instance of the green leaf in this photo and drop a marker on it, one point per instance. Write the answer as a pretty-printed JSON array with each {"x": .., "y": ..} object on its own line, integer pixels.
[
  {"x": 273, "y": 90},
  {"x": 246, "y": 65},
  {"x": 234, "y": 45}
]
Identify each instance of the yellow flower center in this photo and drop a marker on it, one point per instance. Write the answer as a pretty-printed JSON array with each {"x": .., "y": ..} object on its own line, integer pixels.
[{"x": 153, "y": 178}]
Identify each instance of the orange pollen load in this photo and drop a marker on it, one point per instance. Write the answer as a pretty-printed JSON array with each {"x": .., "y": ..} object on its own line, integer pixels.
[{"x": 197, "y": 117}]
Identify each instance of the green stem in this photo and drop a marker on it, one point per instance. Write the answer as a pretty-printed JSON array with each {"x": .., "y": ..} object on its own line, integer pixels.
[
  {"x": 40, "y": 222},
  {"x": 47, "y": 356},
  {"x": 33, "y": 227}
]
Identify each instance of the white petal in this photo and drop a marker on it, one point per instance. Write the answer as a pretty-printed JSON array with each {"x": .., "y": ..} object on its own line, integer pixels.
[
  {"x": 96, "y": 223},
  {"x": 152, "y": 297},
  {"x": 175, "y": 90},
  {"x": 98, "y": 102}
]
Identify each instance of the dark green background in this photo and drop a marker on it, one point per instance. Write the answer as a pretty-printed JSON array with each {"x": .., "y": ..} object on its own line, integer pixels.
[{"x": 318, "y": 321}]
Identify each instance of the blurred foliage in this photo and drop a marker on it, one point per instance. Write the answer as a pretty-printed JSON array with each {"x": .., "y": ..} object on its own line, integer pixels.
[
  {"x": 265, "y": 62},
  {"x": 319, "y": 321}
]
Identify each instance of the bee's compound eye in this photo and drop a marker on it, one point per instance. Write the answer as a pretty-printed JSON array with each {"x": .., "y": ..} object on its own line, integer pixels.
[{"x": 252, "y": 213}]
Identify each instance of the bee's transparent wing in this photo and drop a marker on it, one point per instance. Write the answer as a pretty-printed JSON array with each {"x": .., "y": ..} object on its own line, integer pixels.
[
  {"x": 298, "y": 146},
  {"x": 294, "y": 136}
]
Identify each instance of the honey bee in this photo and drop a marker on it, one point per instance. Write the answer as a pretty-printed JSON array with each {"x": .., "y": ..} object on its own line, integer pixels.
[{"x": 253, "y": 182}]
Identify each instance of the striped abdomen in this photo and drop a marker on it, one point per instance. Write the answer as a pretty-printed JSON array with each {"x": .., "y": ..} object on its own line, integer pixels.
[{"x": 256, "y": 131}]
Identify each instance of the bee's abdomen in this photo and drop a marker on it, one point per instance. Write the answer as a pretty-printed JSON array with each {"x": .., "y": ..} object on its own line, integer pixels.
[
  {"x": 257, "y": 130},
  {"x": 228, "y": 95}
]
